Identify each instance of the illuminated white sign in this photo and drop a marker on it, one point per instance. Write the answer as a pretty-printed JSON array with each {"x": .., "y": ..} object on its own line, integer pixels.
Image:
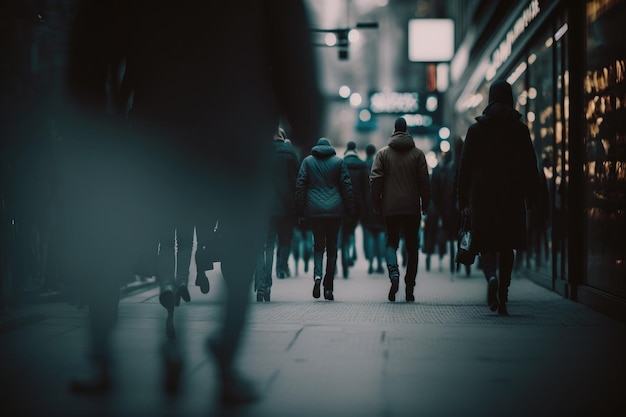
[
  {"x": 413, "y": 120},
  {"x": 394, "y": 102},
  {"x": 505, "y": 48},
  {"x": 431, "y": 40}
]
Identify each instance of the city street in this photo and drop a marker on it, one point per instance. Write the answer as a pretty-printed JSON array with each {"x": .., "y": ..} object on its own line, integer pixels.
[{"x": 360, "y": 355}]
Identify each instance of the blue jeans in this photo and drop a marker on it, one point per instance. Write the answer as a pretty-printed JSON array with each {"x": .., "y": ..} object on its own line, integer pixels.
[{"x": 409, "y": 227}]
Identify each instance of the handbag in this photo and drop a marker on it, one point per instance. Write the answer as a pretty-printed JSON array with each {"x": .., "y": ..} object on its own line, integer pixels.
[{"x": 464, "y": 255}]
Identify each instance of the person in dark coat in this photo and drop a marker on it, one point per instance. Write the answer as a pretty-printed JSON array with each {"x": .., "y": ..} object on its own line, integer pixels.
[
  {"x": 360, "y": 185},
  {"x": 497, "y": 176},
  {"x": 433, "y": 234},
  {"x": 188, "y": 94},
  {"x": 401, "y": 192},
  {"x": 282, "y": 219},
  {"x": 324, "y": 197},
  {"x": 444, "y": 199},
  {"x": 373, "y": 224}
]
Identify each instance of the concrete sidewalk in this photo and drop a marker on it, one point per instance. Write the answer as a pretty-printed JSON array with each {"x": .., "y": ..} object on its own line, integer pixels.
[{"x": 360, "y": 355}]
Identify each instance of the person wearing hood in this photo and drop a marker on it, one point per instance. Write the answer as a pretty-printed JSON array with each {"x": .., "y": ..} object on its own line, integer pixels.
[
  {"x": 324, "y": 197},
  {"x": 497, "y": 176},
  {"x": 400, "y": 187},
  {"x": 360, "y": 187},
  {"x": 282, "y": 219}
]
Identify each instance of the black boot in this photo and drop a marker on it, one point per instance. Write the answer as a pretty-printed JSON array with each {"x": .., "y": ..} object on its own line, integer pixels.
[
  {"x": 394, "y": 277},
  {"x": 492, "y": 293},
  {"x": 409, "y": 294},
  {"x": 503, "y": 295}
]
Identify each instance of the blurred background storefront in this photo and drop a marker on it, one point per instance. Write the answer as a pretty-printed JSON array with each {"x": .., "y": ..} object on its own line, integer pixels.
[{"x": 566, "y": 63}]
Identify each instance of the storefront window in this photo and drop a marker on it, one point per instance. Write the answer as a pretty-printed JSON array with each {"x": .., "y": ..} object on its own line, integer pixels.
[
  {"x": 605, "y": 141},
  {"x": 534, "y": 93}
]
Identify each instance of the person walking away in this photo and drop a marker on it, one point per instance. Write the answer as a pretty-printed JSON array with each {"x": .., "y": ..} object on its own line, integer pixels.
[
  {"x": 432, "y": 234},
  {"x": 401, "y": 192},
  {"x": 285, "y": 237},
  {"x": 282, "y": 216},
  {"x": 442, "y": 211},
  {"x": 302, "y": 245},
  {"x": 374, "y": 237},
  {"x": 324, "y": 197},
  {"x": 497, "y": 181},
  {"x": 359, "y": 176}
]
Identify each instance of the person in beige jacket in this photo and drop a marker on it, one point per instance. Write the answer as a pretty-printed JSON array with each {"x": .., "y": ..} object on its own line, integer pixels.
[{"x": 401, "y": 192}]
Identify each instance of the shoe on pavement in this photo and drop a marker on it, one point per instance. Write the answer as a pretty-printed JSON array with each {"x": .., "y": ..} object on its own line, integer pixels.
[
  {"x": 316, "y": 287},
  {"x": 395, "y": 283},
  {"x": 492, "y": 293},
  {"x": 328, "y": 295},
  {"x": 409, "y": 295},
  {"x": 502, "y": 310}
]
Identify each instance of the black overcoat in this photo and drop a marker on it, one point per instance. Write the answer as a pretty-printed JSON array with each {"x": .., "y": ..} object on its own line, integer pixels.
[{"x": 497, "y": 176}]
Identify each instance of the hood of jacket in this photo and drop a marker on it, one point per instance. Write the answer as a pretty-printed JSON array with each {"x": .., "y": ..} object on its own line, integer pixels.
[
  {"x": 351, "y": 153},
  {"x": 401, "y": 141},
  {"x": 501, "y": 104},
  {"x": 499, "y": 111},
  {"x": 323, "y": 151}
]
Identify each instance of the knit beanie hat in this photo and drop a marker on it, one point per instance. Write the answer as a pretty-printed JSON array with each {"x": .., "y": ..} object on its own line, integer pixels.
[{"x": 400, "y": 125}]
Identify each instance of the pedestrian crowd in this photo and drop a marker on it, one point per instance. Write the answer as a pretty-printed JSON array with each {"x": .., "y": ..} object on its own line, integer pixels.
[{"x": 133, "y": 181}]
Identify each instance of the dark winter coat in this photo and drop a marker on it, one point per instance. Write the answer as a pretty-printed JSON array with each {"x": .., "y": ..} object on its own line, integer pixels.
[
  {"x": 374, "y": 221},
  {"x": 360, "y": 182},
  {"x": 444, "y": 196},
  {"x": 285, "y": 168},
  {"x": 324, "y": 187},
  {"x": 399, "y": 179},
  {"x": 497, "y": 173}
]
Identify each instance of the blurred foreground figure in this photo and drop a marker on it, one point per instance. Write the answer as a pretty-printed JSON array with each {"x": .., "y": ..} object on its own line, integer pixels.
[{"x": 204, "y": 92}]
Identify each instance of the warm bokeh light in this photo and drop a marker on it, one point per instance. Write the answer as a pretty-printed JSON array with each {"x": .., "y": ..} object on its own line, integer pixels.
[
  {"x": 330, "y": 39},
  {"x": 365, "y": 115},
  {"x": 355, "y": 99}
]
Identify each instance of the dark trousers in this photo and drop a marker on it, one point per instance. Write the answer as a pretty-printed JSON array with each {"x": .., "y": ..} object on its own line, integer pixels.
[
  {"x": 282, "y": 229},
  {"x": 499, "y": 261},
  {"x": 325, "y": 237},
  {"x": 347, "y": 233},
  {"x": 408, "y": 226},
  {"x": 280, "y": 232}
]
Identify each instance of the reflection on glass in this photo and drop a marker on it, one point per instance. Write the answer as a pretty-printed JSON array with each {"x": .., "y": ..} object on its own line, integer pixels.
[{"x": 605, "y": 143}]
